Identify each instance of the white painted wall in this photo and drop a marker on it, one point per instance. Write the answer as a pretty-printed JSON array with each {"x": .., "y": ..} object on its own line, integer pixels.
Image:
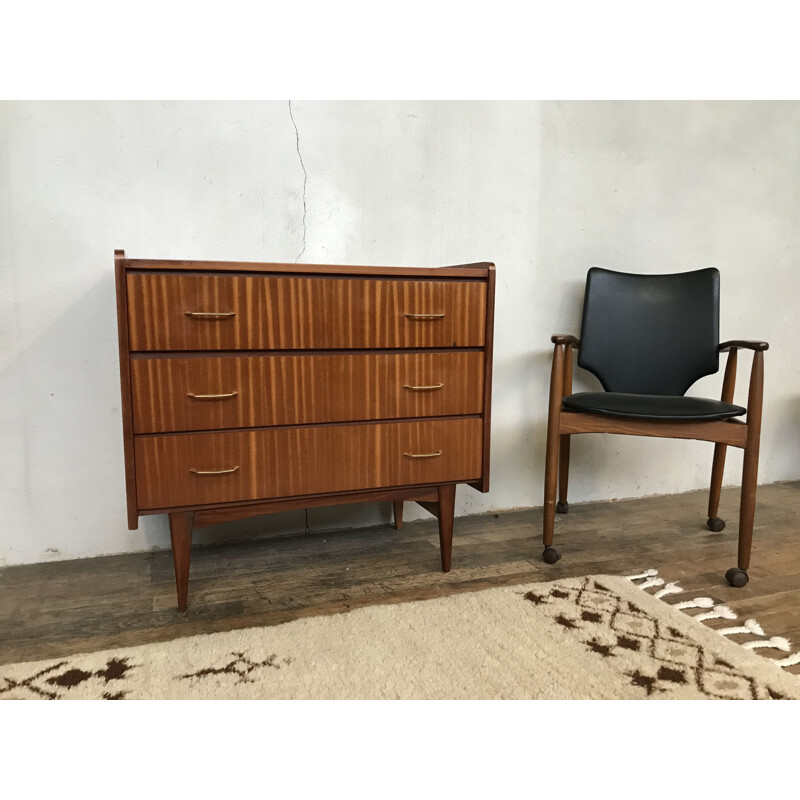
[{"x": 544, "y": 189}]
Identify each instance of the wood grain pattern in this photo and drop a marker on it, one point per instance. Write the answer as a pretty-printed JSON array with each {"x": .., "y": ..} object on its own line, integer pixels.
[
  {"x": 308, "y": 313},
  {"x": 213, "y": 516},
  {"x": 483, "y": 484},
  {"x": 728, "y": 432},
  {"x": 180, "y": 532},
  {"x": 125, "y": 388},
  {"x": 319, "y": 382},
  {"x": 301, "y": 389},
  {"x": 476, "y": 270},
  {"x": 56, "y": 609},
  {"x": 282, "y": 462}
]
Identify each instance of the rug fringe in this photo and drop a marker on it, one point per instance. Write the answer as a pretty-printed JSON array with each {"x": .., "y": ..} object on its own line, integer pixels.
[
  {"x": 649, "y": 579},
  {"x": 790, "y": 661},
  {"x": 750, "y": 626}
]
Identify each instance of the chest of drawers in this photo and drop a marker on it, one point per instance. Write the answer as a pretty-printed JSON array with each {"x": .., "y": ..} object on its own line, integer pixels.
[{"x": 249, "y": 388}]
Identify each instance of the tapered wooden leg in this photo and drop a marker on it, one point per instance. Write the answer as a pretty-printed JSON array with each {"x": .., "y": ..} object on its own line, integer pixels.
[
  {"x": 551, "y": 456},
  {"x": 720, "y": 450},
  {"x": 563, "y": 458},
  {"x": 180, "y": 531},
  {"x": 398, "y": 513},
  {"x": 747, "y": 508},
  {"x": 717, "y": 470},
  {"x": 447, "y": 504},
  {"x": 563, "y": 473}
]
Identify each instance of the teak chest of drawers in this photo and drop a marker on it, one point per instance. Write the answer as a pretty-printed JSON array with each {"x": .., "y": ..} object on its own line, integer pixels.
[{"x": 249, "y": 388}]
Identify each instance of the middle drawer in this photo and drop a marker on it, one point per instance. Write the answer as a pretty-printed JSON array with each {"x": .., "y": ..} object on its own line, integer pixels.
[{"x": 206, "y": 393}]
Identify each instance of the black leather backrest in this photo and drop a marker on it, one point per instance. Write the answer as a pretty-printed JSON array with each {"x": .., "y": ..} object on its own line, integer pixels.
[{"x": 650, "y": 334}]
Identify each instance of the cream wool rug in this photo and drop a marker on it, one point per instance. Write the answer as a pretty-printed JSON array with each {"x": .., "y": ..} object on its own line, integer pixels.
[{"x": 595, "y": 637}]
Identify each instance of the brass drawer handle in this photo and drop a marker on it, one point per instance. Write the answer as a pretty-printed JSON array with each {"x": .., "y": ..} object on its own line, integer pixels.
[
  {"x": 212, "y": 471},
  {"x": 423, "y": 388},
  {"x": 211, "y": 396},
  {"x": 423, "y": 455},
  {"x": 210, "y": 314},
  {"x": 424, "y": 316}
]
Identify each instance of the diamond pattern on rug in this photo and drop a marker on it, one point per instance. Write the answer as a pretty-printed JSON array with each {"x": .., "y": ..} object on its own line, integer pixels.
[
  {"x": 714, "y": 610},
  {"x": 577, "y": 638},
  {"x": 614, "y": 628}
]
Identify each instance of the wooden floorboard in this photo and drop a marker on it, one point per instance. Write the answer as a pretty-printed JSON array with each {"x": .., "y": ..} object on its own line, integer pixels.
[{"x": 57, "y": 609}]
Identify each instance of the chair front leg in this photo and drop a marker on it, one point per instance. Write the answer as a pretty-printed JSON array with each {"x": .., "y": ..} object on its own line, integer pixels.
[
  {"x": 750, "y": 466},
  {"x": 551, "y": 555},
  {"x": 562, "y": 507}
]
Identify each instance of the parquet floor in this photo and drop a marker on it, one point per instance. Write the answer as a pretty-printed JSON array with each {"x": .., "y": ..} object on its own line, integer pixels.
[{"x": 56, "y": 609}]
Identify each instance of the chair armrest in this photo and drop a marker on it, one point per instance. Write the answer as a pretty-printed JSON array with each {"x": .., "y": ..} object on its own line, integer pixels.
[
  {"x": 735, "y": 344},
  {"x": 565, "y": 338}
]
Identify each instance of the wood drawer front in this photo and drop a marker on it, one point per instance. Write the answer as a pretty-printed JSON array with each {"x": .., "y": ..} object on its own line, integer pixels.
[
  {"x": 283, "y": 462},
  {"x": 199, "y": 393},
  {"x": 288, "y": 313}
]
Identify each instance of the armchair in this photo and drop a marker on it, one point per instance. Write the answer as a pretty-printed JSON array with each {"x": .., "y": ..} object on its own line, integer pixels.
[{"x": 648, "y": 338}]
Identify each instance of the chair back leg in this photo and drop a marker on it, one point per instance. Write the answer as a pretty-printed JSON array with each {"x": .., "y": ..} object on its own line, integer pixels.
[
  {"x": 720, "y": 450},
  {"x": 563, "y": 473},
  {"x": 552, "y": 447},
  {"x": 717, "y": 471}
]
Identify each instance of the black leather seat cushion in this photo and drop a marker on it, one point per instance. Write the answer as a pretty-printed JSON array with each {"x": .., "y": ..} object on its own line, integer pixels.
[{"x": 651, "y": 406}]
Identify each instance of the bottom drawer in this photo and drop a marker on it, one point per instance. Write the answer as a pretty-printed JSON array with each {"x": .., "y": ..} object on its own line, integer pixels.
[{"x": 196, "y": 469}]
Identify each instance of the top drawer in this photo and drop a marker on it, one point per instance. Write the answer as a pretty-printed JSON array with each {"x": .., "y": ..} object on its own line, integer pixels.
[{"x": 255, "y": 312}]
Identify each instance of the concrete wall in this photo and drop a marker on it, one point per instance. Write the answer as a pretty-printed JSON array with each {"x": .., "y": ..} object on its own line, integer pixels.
[{"x": 543, "y": 189}]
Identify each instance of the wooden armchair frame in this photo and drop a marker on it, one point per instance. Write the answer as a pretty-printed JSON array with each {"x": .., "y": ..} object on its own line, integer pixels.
[{"x": 562, "y": 424}]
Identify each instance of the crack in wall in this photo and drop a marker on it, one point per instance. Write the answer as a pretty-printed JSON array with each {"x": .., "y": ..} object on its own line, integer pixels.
[
  {"x": 305, "y": 179},
  {"x": 305, "y": 182}
]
